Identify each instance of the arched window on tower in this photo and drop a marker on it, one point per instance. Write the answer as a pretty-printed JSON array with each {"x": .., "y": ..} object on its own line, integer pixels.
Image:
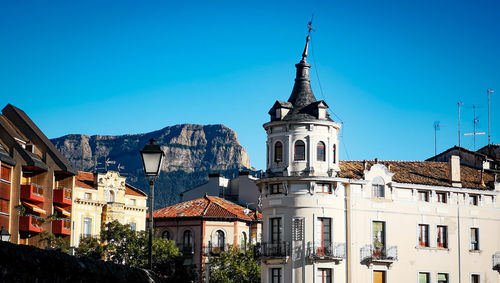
[
  {"x": 320, "y": 151},
  {"x": 278, "y": 152},
  {"x": 111, "y": 196},
  {"x": 334, "y": 153},
  {"x": 166, "y": 235},
  {"x": 187, "y": 239},
  {"x": 219, "y": 239},
  {"x": 299, "y": 151}
]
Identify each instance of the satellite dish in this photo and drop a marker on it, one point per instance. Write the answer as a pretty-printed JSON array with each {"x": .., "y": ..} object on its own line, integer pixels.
[{"x": 246, "y": 211}]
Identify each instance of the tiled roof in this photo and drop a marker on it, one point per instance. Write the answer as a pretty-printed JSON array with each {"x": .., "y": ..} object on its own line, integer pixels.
[
  {"x": 85, "y": 180},
  {"x": 206, "y": 206},
  {"x": 421, "y": 172},
  {"x": 133, "y": 191}
]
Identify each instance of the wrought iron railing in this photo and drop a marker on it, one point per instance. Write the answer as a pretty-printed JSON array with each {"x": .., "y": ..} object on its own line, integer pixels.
[
  {"x": 272, "y": 250},
  {"x": 214, "y": 249},
  {"x": 326, "y": 250},
  {"x": 187, "y": 250},
  {"x": 374, "y": 254}
]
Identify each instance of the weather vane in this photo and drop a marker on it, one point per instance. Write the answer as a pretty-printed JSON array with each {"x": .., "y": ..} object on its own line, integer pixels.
[{"x": 309, "y": 25}]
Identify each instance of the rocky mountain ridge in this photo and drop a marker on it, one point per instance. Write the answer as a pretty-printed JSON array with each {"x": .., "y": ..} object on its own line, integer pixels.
[{"x": 191, "y": 152}]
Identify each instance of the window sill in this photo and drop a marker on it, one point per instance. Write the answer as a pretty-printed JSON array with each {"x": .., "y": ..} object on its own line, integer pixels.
[
  {"x": 475, "y": 251},
  {"x": 432, "y": 248}
]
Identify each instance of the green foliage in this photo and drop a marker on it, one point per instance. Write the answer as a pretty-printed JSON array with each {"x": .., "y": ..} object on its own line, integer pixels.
[
  {"x": 54, "y": 242},
  {"x": 234, "y": 266},
  {"x": 119, "y": 244}
]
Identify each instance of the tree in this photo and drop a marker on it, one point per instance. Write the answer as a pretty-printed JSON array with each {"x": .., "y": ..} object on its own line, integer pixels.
[
  {"x": 234, "y": 266},
  {"x": 53, "y": 242}
]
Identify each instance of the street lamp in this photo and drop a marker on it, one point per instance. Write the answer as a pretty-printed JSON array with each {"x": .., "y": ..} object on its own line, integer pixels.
[
  {"x": 152, "y": 158},
  {"x": 4, "y": 235}
]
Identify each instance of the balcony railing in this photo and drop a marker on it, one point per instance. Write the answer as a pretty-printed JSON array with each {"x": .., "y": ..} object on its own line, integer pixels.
[
  {"x": 272, "y": 250},
  {"x": 187, "y": 250},
  {"x": 387, "y": 256},
  {"x": 30, "y": 223},
  {"x": 61, "y": 226},
  {"x": 326, "y": 251},
  {"x": 214, "y": 250},
  {"x": 32, "y": 192},
  {"x": 496, "y": 261},
  {"x": 62, "y": 196}
]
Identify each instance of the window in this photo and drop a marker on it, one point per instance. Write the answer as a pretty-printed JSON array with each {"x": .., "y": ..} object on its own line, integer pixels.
[
  {"x": 87, "y": 196},
  {"x": 219, "y": 239},
  {"x": 473, "y": 199},
  {"x": 441, "y": 197},
  {"x": 326, "y": 231},
  {"x": 132, "y": 202},
  {"x": 166, "y": 235},
  {"x": 278, "y": 152},
  {"x": 423, "y": 196},
  {"x": 378, "y": 237},
  {"x": 324, "y": 188},
  {"x": 474, "y": 239},
  {"x": 4, "y": 206},
  {"x": 442, "y": 278},
  {"x": 474, "y": 278},
  {"x": 300, "y": 151},
  {"x": 442, "y": 236},
  {"x": 133, "y": 226},
  {"x": 334, "y": 153},
  {"x": 275, "y": 275},
  {"x": 423, "y": 235},
  {"x": 424, "y": 277},
  {"x": 324, "y": 275},
  {"x": 243, "y": 240},
  {"x": 111, "y": 196},
  {"x": 87, "y": 225},
  {"x": 276, "y": 189},
  {"x": 378, "y": 191},
  {"x": 275, "y": 230},
  {"x": 320, "y": 151},
  {"x": 187, "y": 239}
]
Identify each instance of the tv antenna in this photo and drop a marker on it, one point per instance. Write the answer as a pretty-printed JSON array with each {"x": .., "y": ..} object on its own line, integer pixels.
[
  {"x": 475, "y": 121},
  {"x": 489, "y": 133},
  {"x": 108, "y": 162},
  {"x": 437, "y": 126},
  {"x": 460, "y": 103}
]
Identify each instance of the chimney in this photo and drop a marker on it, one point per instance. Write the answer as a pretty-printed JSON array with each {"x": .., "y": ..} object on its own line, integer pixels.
[
  {"x": 364, "y": 164},
  {"x": 376, "y": 160},
  {"x": 454, "y": 165}
]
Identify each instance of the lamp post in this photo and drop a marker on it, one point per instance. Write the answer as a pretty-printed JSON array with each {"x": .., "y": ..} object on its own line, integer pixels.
[
  {"x": 152, "y": 158},
  {"x": 4, "y": 235}
]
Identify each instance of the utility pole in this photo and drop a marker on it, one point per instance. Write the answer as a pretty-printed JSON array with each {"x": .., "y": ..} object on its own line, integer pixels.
[
  {"x": 459, "y": 104},
  {"x": 489, "y": 133},
  {"x": 436, "y": 128},
  {"x": 475, "y": 121}
]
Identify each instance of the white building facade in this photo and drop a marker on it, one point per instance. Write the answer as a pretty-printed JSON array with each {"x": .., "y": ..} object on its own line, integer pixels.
[{"x": 353, "y": 221}]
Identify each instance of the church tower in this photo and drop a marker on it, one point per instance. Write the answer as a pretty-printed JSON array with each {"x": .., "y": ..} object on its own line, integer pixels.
[{"x": 301, "y": 212}]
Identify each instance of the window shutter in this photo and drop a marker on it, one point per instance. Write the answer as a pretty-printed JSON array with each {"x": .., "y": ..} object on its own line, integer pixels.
[{"x": 317, "y": 232}]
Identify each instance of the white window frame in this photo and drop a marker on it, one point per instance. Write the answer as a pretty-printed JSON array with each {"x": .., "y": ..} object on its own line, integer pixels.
[
  {"x": 305, "y": 150},
  {"x": 478, "y": 238},
  {"x": 270, "y": 273},
  {"x": 443, "y": 272},
  {"x": 475, "y": 273},
  {"x": 424, "y": 271}
]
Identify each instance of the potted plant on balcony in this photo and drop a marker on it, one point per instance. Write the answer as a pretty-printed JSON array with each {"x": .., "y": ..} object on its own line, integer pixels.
[{"x": 378, "y": 246}]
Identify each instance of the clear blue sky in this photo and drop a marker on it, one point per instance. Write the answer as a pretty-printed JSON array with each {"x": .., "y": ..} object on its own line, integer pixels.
[{"x": 389, "y": 69}]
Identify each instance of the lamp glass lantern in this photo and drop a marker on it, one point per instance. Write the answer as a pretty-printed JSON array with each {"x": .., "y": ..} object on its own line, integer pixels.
[
  {"x": 4, "y": 235},
  {"x": 152, "y": 158}
]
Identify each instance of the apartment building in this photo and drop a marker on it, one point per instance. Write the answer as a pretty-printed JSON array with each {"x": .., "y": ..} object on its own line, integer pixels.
[
  {"x": 326, "y": 220},
  {"x": 36, "y": 181},
  {"x": 100, "y": 198},
  {"x": 204, "y": 227}
]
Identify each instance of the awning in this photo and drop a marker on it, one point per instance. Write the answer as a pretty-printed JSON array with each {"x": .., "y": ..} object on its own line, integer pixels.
[
  {"x": 63, "y": 211},
  {"x": 34, "y": 208}
]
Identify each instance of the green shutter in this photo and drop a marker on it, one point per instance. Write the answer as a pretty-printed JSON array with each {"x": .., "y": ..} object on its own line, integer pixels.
[
  {"x": 442, "y": 277},
  {"x": 422, "y": 278}
]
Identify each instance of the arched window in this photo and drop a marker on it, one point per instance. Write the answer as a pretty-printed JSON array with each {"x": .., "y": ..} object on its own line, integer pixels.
[
  {"x": 111, "y": 196},
  {"x": 299, "y": 151},
  {"x": 166, "y": 235},
  {"x": 243, "y": 240},
  {"x": 187, "y": 239},
  {"x": 278, "y": 152},
  {"x": 320, "y": 151},
  {"x": 219, "y": 239},
  {"x": 334, "y": 153}
]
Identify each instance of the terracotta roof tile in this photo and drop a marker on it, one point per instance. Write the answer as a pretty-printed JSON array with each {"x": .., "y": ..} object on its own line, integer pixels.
[
  {"x": 85, "y": 180},
  {"x": 421, "y": 172},
  {"x": 206, "y": 207}
]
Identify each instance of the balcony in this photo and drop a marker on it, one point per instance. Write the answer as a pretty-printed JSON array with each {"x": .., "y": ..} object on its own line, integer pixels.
[
  {"x": 30, "y": 223},
  {"x": 268, "y": 252},
  {"x": 384, "y": 256},
  {"x": 61, "y": 226},
  {"x": 32, "y": 192},
  {"x": 214, "y": 250},
  {"x": 62, "y": 196},
  {"x": 496, "y": 261},
  {"x": 317, "y": 251},
  {"x": 186, "y": 250}
]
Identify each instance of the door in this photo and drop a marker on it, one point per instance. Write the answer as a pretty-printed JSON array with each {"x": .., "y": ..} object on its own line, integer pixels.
[{"x": 378, "y": 276}]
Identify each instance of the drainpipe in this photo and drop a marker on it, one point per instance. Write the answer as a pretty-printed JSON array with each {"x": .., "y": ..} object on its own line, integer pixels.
[
  {"x": 313, "y": 239},
  {"x": 347, "y": 195},
  {"x": 458, "y": 234}
]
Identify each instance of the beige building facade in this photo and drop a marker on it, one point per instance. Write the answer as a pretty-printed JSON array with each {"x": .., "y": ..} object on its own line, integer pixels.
[
  {"x": 326, "y": 220},
  {"x": 100, "y": 198}
]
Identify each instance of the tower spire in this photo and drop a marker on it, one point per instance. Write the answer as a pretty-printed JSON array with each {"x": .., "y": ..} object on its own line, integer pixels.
[{"x": 309, "y": 27}]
